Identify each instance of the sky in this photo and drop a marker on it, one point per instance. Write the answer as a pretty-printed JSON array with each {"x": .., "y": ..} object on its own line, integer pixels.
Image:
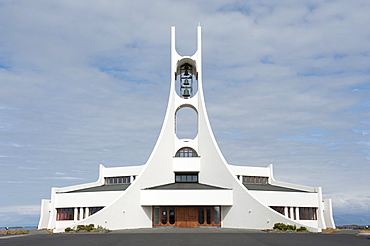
[{"x": 84, "y": 83}]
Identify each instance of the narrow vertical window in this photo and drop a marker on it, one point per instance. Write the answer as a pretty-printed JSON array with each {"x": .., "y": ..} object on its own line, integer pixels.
[
  {"x": 209, "y": 215},
  {"x": 164, "y": 215},
  {"x": 172, "y": 215},
  {"x": 201, "y": 215},
  {"x": 156, "y": 215},
  {"x": 217, "y": 216}
]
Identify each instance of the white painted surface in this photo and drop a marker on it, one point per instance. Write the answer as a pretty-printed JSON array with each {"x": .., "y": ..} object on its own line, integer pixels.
[
  {"x": 86, "y": 199},
  {"x": 288, "y": 199},
  {"x": 184, "y": 164},
  {"x": 122, "y": 171},
  {"x": 186, "y": 197},
  {"x": 250, "y": 171},
  {"x": 45, "y": 213}
]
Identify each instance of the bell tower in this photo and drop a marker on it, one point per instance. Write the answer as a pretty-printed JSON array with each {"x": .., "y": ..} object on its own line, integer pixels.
[{"x": 186, "y": 91}]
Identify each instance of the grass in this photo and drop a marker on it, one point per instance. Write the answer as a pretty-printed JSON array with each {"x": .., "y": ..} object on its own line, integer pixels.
[
  {"x": 364, "y": 231},
  {"x": 13, "y": 232}
]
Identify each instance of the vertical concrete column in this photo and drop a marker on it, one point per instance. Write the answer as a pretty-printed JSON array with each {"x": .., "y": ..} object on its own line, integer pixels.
[
  {"x": 75, "y": 214},
  {"x": 86, "y": 212},
  {"x": 81, "y": 214},
  {"x": 297, "y": 212},
  {"x": 286, "y": 211},
  {"x": 291, "y": 213}
]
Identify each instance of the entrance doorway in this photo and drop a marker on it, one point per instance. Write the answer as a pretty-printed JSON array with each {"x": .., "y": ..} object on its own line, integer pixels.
[{"x": 188, "y": 216}]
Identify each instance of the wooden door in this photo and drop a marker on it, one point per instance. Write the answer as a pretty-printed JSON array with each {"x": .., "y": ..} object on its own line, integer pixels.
[
  {"x": 192, "y": 217},
  {"x": 186, "y": 217},
  {"x": 181, "y": 217}
]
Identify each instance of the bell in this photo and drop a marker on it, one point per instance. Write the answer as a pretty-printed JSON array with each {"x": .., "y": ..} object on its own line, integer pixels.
[
  {"x": 186, "y": 73},
  {"x": 186, "y": 93},
  {"x": 186, "y": 82}
]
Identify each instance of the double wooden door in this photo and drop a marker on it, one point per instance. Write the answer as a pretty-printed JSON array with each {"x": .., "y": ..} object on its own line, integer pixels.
[{"x": 186, "y": 216}]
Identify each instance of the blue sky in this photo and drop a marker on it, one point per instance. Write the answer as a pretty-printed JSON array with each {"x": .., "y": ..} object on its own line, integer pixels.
[{"x": 86, "y": 82}]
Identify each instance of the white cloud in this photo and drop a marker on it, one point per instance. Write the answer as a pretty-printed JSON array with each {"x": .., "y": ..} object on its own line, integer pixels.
[{"x": 24, "y": 210}]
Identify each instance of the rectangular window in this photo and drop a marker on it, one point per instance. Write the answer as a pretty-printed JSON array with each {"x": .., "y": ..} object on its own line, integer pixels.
[
  {"x": 118, "y": 180},
  {"x": 93, "y": 210},
  {"x": 308, "y": 213},
  {"x": 279, "y": 209},
  {"x": 209, "y": 216},
  {"x": 65, "y": 213},
  {"x": 254, "y": 180},
  {"x": 186, "y": 177}
]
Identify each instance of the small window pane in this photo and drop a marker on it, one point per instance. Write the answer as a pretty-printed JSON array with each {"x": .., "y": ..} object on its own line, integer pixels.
[
  {"x": 201, "y": 215},
  {"x": 172, "y": 215},
  {"x": 156, "y": 215},
  {"x": 217, "y": 215},
  {"x": 209, "y": 215},
  {"x": 195, "y": 178},
  {"x": 164, "y": 215}
]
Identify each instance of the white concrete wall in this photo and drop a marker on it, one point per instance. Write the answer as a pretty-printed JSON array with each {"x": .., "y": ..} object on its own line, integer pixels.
[
  {"x": 250, "y": 171},
  {"x": 121, "y": 171},
  {"x": 287, "y": 199},
  {"x": 328, "y": 214},
  {"x": 186, "y": 164},
  {"x": 86, "y": 199},
  {"x": 186, "y": 197},
  {"x": 45, "y": 214}
]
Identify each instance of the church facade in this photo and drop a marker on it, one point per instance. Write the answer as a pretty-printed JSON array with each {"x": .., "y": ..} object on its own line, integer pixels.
[{"x": 186, "y": 182}]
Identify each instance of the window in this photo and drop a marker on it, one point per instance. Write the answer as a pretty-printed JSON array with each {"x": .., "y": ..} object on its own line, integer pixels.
[
  {"x": 164, "y": 216},
  {"x": 156, "y": 215},
  {"x": 186, "y": 152},
  {"x": 186, "y": 177},
  {"x": 209, "y": 216},
  {"x": 118, "y": 180},
  {"x": 93, "y": 210},
  {"x": 255, "y": 180},
  {"x": 308, "y": 213},
  {"x": 278, "y": 209},
  {"x": 65, "y": 213}
]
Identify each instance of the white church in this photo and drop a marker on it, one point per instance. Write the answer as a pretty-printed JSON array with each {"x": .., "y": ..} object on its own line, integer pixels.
[{"x": 186, "y": 182}]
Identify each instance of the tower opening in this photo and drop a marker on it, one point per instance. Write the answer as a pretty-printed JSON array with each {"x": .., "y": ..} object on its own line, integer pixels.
[
  {"x": 186, "y": 123},
  {"x": 186, "y": 79}
]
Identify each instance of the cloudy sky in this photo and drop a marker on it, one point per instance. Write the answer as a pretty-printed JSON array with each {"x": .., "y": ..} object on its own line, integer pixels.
[{"x": 87, "y": 82}]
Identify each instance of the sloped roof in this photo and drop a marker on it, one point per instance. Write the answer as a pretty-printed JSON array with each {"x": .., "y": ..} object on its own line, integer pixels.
[
  {"x": 115, "y": 187},
  {"x": 185, "y": 186},
  {"x": 268, "y": 187}
]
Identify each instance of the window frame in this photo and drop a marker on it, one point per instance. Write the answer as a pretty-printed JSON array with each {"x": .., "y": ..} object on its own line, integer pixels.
[
  {"x": 186, "y": 152},
  {"x": 186, "y": 177}
]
